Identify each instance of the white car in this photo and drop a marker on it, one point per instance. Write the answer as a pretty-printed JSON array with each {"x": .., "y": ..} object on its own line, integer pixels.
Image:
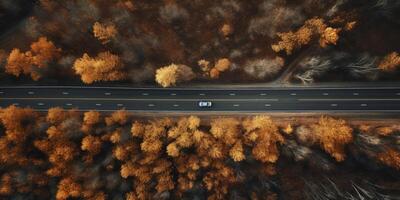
[{"x": 205, "y": 104}]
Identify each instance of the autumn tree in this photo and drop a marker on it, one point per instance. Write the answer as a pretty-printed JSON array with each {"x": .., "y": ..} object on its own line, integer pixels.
[
  {"x": 333, "y": 134},
  {"x": 172, "y": 74},
  {"x": 32, "y": 62},
  {"x": 214, "y": 72},
  {"x": 91, "y": 144},
  {"x": 264, "y": 134},
  {"x": 226, "y": 30},
  {"x": 105, "y": 67},
  {"x": 312, "y": 28},
  {"x": 90, "y": 118},
  {"x": 118, "y": 117},
  {"x": 43, "y": 52},
  {"x": 67, "y": 187},
  {"x": 390, "y": 62},
  {"x": 390, "y": 157},
  {"x": 20, "y": 63},
  {"x": 56, "y": 115},
  {"x": 220, "y": 66},
  {"x": 18, "y": 122},
  {"x": 103, "y": 32}
]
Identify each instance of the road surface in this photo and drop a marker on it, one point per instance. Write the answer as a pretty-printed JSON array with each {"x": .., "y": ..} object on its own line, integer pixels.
[{"x": 385, "y": 99}]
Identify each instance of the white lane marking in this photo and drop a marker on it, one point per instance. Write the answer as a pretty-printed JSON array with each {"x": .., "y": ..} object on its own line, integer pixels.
[
  {"x": 236, "y": 105},
  {"x": 232, "y": 94},
  {"x": 173, "y": 94},
  {"x": 40, "y": 104},
  {"x": 325, "y": 94},
  {"x": 263, "y": 94},
  {"x": 176, "y": 105},
  {"x": 151, "y": 105},
  {"x": 16, "y": 104},
  {"x": 31, "y": 93},
  {"x": 144, "y": 99},
  {"x": 98, "y": 104},
  {"x": 107, "y": 93},
  {"x": 267, "y": 105},
  {"x": 120, "y": 105},
  {"x": 398, "y": 94},
  {"x": 355, "y": 93},
  {"x": 1, "y": 92},
  {"x": 65, "y": 93},
  {"x": 293, "y": 94},
  {"x": 69, "y": 104},
  {"x": 202, "y": 94},
  {"x": 145, "y": 94},
  {"x": 334, "y": 105},
  {"x": 364, "y": 105}
]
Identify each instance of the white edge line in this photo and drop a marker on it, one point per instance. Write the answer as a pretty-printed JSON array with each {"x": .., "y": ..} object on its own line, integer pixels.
[
  {"x": 113, "y": 99},
  {"x": 247, "y": 111},
  {"x": 205, "y": 89}
]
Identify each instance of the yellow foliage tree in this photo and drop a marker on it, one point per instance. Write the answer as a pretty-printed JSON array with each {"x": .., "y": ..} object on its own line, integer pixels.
[
  {"x": 312, "y": 28},
  {"x": 390, "y": 62},
  {"x": 390, "y": 157},
  {"x": 105, "y": 67},
  {"x": 172, "y": 74},
  {"x": 263, "y": 132},
  {"x": 333, "y": 135},
  {"x": 90, "y": 118},
  {"x": 104, "y": 32}
]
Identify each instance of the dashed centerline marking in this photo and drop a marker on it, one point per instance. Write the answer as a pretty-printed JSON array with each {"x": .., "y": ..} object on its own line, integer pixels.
[
  {"x": 293, "y": 94},
  {"x": 69, "y": 104},
  {"x": 40, "y": 104},
  {"x": 334, "y": 105},
  {"x": 355, "y": 94},
  {"x": 232, "y": 94},
  {"x": 267, "y": 105},
  {"x": 16, "y": 104},
  {"x": 364, "y": 105},
  {"x": 236, "y": 105},
  {"x": 65, "y": 93},
  {"x": 145, "y": 94},
  {"x": 176, "y": 105},
  {"x": 1, "y": 92},
  {"x": 325, "y": 94},
  {"x": 120, "y": 104},
  {"x": 31, "y": 93},
  {"x": 150, "y": 105},
  {"x": 202, "y": 94},
  {"x": 98, "y": 104},
  {"x": 107, "y": 94},
  {"x": 173, "y": 94},
  {"x": 263, "y": 94}
]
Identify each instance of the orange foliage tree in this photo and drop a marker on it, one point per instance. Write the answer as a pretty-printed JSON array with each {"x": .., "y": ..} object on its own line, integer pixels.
[
  {"x": 104, "y": 32},
  {"x": 312, "y": 28},
  {"x": 170, "y": 75},
  {"x": 158, "y": 156},
  {"x": 333, "y": 135},
  {"x": 390, "y": 62},
  {"x": 214, "y": 72},
  {"x": 264, "y": 134},
  {"x": 105, "y": 67},
  {"x": 31, "y": 62}
]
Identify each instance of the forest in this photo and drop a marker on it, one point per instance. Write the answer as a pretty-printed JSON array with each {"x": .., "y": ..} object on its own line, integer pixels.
[
  {"x": 169, "y": 42},
  {"x": 69, "y": 154}
]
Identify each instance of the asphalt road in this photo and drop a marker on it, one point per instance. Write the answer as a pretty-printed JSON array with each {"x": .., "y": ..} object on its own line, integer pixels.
[{"x": 385, "y": 99}]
